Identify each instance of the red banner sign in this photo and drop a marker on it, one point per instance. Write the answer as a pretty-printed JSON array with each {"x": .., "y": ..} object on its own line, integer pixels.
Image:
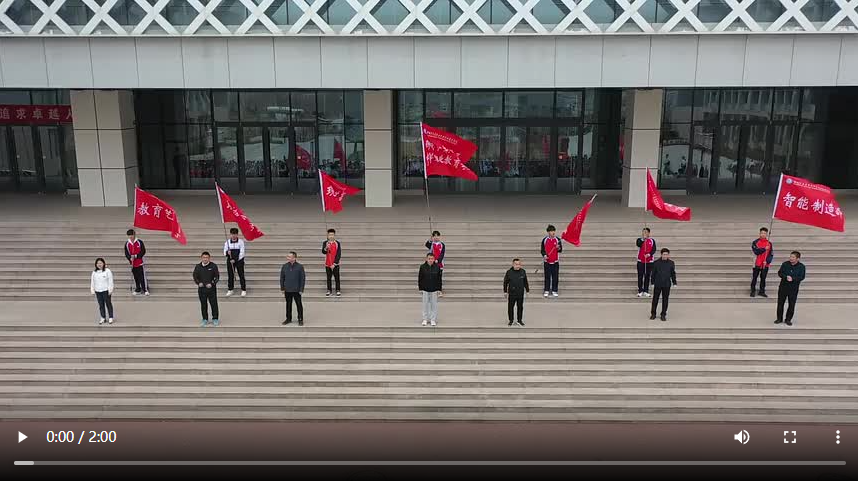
[{"x": 35, "y": 114}]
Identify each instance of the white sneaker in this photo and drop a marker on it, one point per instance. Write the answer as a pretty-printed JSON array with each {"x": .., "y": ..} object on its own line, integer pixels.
[
  {"x": 146, "y": 293},
  {"x": 555, "y": 294},
  {"x": 135, "y": 293},
  {"x": 101, "y": 321},
  {"x": 640, "y": 294},
  {"x": 243, "y": 293},
  {"x": 433, "y": 324},
  {"x": 228, "y": 293},
  {"x": 425, "y": 323},
  {"x": 647, "y": 294},
  {"x": 110, "y": 321},
  {"x": 545, "y": 294}
]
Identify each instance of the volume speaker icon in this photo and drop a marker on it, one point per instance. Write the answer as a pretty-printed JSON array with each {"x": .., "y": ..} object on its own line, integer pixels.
[{"x": 742, "y": 436}]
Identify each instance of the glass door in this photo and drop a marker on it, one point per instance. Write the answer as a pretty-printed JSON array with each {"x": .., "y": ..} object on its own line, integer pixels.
[
  {"x": 306, "y": 153},
  {"x": 29, "y": 178},
  {"x": 742, "y": 165},
  {"x": 227, "y": 159},
  {"x": 50, "y": 149},
  {"x": 7, "y": 170},
  {"x": 254, "y": 160},
  {"x": 702, "y": 144},
  {"x": 281, "y": 164}
]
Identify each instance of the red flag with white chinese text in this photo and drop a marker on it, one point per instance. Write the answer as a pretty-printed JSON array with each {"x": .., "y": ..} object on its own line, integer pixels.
[
  {"x": 153, "y": 213},
  {"x": 572, "y": 234},
  {"x": 231, "y": 212},
  {"x": 446, "y": 154},
  {"x": 803, "y": 202},
  {"x": 333, "y": 192},
  {"x": 659, "y": 207}
]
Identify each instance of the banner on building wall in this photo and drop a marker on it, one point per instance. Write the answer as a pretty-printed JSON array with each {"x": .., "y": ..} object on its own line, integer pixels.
[{"x": 35, "y": 114}]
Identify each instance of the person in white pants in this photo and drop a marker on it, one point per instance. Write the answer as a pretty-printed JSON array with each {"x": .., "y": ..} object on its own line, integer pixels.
[{"x": 429, "y": 283}]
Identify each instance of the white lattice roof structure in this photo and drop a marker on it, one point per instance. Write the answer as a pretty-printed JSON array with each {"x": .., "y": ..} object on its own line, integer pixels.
[{"x": 421, "y": 17}]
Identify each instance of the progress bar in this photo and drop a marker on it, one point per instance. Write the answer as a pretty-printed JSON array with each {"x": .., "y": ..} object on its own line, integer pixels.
[{"x": 430, "y": 463}]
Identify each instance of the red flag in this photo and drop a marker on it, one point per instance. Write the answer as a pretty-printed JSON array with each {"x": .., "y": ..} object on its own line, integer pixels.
[
  {"x": 572, "y": 234},
  {"x": 446, "y": 154},
  {"x": 304, "y": 158},
  {"x": 230, "y": 212},
  {"x": 340, "y": 154},
  {"x": 659, "y": 207},
  {"x": 153, "y": 213},
  {"x": 803, "y": 202},
  {"x": 333, "y": 192}
]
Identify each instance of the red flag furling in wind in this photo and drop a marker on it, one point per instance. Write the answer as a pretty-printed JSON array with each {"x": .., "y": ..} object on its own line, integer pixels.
[
  {"x": 572, "y": 234},
  {"x": 153, "y": 213},
  {"x": 333, "y": 192},
  {"x": 230, "y": 212},
  {"x": 659, "y": 207},
  {"x": 446, "y": 154},
  {"x": 803, "y": 202}
]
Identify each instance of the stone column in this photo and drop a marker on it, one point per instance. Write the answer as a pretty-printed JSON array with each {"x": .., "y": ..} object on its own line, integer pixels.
[
  {"x": 641, "y": 138},
  {"x": 106, "y": 146},
  {"x": 378, "y": 138}
]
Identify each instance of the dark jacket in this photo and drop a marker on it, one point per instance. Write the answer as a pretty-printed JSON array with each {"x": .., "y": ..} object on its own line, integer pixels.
[
  {"x": 663, "y": 273},
  {"x": 207, "y": 274},
  {"x": 797, "y": 272},
  {"x": 292, "y": 277},
  {"x": 429, "y": 277},
  {"x": 515, "y": 282},
  {"x": 339, "y": 250}
]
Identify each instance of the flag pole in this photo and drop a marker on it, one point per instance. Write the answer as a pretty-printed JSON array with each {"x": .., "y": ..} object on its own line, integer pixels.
[
  {"x": 322, "y": 198},
  {"x": 646, "y": 201},
  {"x": 220, "y": 207},
  {"x": 425, "y": 179},
  {"x": 775, "y": 206}
]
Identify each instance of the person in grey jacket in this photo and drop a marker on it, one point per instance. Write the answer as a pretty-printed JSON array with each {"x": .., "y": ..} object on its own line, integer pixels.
[{"x": 292, "y": 279}]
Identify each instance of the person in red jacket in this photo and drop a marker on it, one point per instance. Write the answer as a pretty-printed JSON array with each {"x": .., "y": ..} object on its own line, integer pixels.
[
  {"x": 646, "y": 257},
  {"x": 437, "y": 249},
  {"x": 763, "y": 255},
  {"x": 134, "y": 252},
  {"x": 332, "y": 249},
  {"x": 552, "y": 246}
]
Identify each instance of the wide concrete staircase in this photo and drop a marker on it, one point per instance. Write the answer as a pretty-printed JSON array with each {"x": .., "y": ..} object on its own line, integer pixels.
[{"x": 50, "y": 260}]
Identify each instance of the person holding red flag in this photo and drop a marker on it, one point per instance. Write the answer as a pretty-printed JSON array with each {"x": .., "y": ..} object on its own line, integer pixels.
[
  {"x": 646, "y": 257},
  {"x": 234, "y": 251},
  {"x": 439, "y": 250},
  {"x": 551, "y": 248},
  {"x": 135, "y": 251},
  {"x": 763, "y": 255},
  {"x": 332, "y": 248}
]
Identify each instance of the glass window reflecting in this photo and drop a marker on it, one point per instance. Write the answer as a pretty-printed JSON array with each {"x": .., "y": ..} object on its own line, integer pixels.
[
  {"x": 501, "y": 11},
  {"x": 478, "y": 104},
  {"x": 529, "y": 104},
  {"x": 706, "y": 104},
  {"x": 198, "y": 105},
  {"x": 201, "y": 156},
  {"x": 677, "y": 105},
  {"x": 127, "y": 13},
  {"x": 225, "y": 105},
  {"x": 550, "y": 12},
  {"x": 410, "y": 157},
  {"x": 702, "y": 144},
  {"x": 24, "y": 13},
  {"x": 278, "y": 12},
  {"x": 820, "y": 10},
  {"x": 811, "y": 148},
  {"x": 303, "y": 106},
  {"x": 179, "y": 13},
  {"x": 15, "y": 97},
  {"x": 603, "y": 11},
  {"x": 766, "y": 11},
  {"x": 172, "y": 106},
  {"x": 390, "y": 12},
  {"x": 75, "y": 13},
  {"x": 439, "y": 105},
  {"x": 153, "y": 169},
  {"x": 569, "y": 104},
  {"x": 336, "y": 12},
  {"x": 674, "y": 156},
  {"x": 231, "y": 13},
  {"x": 148, "y": 107},
  {"x": 332, "y": 154},
  {"x": 354, "y": 153},
  {"x": 264, "y": 106},
  {"x": 786, "y": 104},
  {"x": 439, "y": 12},
  {"x": 746, "y": 104},
  {"x": 567, "y": 157},
  {"x": 711, "y": 11},
  {"x": 354, "y": 106},
  {"x": 410, "y": 106},
  {"x": 331, "y": 106}
]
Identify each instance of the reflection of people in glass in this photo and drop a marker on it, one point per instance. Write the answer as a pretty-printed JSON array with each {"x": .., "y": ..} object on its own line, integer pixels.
[{"x": 178, "y": 167}]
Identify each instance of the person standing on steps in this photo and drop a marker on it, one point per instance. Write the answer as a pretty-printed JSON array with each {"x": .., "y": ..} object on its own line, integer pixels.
[
  {"x": 429, "y": 283},
  {"x": 514, "y": 287},
  {"x": 292, "y": 280},
  {"x": 206, "y": 276},
  {"x": 646, "y": 257},
  {"x": 663, "y": 276},
  {"x": 792, "y": 272},
  {"x": 764, "y": 253},
  {"x": 439, "y": 250},
  {"x": 234, "y": 251},
  {"x": 101, "y": 285},
  {"x": 552, "y": 246},
  {"x": 332, "y": 249},
  {"x": 135, "y": 251}
]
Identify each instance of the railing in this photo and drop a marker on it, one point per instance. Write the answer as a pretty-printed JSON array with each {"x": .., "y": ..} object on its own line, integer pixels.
[{"x": 421, "y": 17}]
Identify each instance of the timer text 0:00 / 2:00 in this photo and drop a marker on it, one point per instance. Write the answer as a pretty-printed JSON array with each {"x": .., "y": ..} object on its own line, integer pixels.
[{"x": 69, "y": 436}]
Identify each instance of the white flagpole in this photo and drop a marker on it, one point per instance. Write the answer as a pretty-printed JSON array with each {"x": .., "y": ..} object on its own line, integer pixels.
[
  {"x": 220, "y": 207},
  {"x": 775, "y": 206},
  {"x": 322, "y": 197},
  {"x": 425, "y": 178}
]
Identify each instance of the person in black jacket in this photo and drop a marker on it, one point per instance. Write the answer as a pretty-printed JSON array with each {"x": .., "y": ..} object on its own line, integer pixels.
[
  {"x": 206, "y": 276},
  {"x": 332, "y": 248},
  {"x": 663, "y": 276},
  {"x": 292, "y": 280},
  {"x": 514, "y": 286},
  {"x": 429, "y": 283},
  {"x": 792, "y": 272}
]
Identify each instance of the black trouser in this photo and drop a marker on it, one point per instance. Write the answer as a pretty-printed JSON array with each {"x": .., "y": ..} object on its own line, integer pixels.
[
  {"x": 335, "y": 273},
  {"x": 230, "y": 271},
  {"x": 760, "y": 272},
  {"x": 139, "y": 279},
  {"x": 552, "y": 276},
  {"x": 297, "y": 297},
  {"x": 644, "y": 272},
  {"x": 517, "y": 299},
  {"x": 664, "y": 292},
  {"x": 786, "y": 294},
  {"x": 208, "y": 295},
  {"x": 103, "y": 299}
]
